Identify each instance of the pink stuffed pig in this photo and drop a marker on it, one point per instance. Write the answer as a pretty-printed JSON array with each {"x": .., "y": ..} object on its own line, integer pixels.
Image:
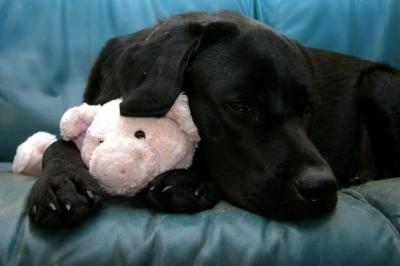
[{"x": 123, "y": 153}]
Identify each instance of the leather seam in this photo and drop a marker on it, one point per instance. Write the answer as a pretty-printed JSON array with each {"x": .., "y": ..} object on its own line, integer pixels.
[{"x": 359, "y": 197}]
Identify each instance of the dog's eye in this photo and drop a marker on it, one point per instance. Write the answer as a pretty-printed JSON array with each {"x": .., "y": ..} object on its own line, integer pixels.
[
  {"x": 307, "y": 113},
  {"x": 240, "y": 106},
  {"x": 101, "y": 141},
  {"x": 140, "y": 134},
  {"x": 307, "y": 117}
]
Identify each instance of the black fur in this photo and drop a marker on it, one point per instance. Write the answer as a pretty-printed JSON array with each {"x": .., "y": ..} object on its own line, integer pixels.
[
  {"x": 66, "y": 193},
  {"x": 282, "y": 125}
]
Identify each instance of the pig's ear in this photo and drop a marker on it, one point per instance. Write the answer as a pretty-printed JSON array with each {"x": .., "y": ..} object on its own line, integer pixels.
[
  {"x": 76, "y": 121},
  {"x": 180, "y": 113}
]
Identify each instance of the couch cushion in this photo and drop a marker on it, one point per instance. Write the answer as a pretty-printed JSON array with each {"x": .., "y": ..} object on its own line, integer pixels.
[
  {"x": 125, "y": 232},
  {"x": 384, "y": 196}
]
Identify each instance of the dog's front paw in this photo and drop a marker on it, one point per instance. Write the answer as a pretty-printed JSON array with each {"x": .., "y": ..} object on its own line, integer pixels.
[
  {"x": 63, "y": 200},
  {"x": 181, "y": 190}
]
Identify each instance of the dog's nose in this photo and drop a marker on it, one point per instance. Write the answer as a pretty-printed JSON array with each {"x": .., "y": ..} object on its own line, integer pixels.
[{"x": 316, "y": 185}]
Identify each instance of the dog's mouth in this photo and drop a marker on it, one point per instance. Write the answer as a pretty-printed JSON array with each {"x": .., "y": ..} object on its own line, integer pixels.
[
  {"x": 303, "y": 197},
  {"x": 292, "y": 209}
]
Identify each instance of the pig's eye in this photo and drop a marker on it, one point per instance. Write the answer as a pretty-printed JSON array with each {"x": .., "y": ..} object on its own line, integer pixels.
[{"x": 140, "y": 134}]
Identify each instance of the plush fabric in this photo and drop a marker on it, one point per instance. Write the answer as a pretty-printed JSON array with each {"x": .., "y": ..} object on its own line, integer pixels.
[
  {"x": 122, "y": 162},
  {"x": 29, "y": 154},
  {"x": 46, "y": 50}
]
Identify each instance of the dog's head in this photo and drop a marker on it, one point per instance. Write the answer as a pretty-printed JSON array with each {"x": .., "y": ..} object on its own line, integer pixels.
[{"x": 251, "y": 96}]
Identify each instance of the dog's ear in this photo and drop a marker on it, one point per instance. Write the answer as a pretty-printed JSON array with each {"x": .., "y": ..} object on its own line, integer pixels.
[{"x": 151, "y": 72}]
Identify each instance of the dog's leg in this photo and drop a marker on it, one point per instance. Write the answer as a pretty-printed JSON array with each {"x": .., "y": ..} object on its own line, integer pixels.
[
  {"x": 181, "y": 190},
  {"x": 380, "y": 107},
  {"x": 66, "y": 193}
]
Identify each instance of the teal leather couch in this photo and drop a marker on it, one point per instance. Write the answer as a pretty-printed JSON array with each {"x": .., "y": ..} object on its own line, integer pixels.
[{"x": 46, "y": 50}]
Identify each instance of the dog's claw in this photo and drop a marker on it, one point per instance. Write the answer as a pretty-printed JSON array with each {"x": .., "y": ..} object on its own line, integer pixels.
[
  {"x": 34, "y": 209},
  {"x": 182, "y": 191},
  {"x": 52, "y": 206},
  {"x": 197, "y": 192},
  {"x": 167, "y": 188},
  {"x": 90, "y": 194},
  {"x": 68, "y": 207}
]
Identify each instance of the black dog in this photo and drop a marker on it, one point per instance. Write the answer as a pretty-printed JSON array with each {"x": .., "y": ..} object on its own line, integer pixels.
[{"x": 282, "y": 126}]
